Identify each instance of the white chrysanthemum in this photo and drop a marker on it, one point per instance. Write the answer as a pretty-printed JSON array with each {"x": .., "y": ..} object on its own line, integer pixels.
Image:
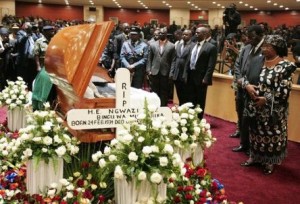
[
  {"x": 127, "y": 138},
  {"x": 156, "y": 124},
  {"x": 164, "y": 131},
  {"x": 133, "y": 156},
  {"x": 118, "y": 174},
  {"x": 76, "y": 174},
  {"x": 57, "y": 139},
  {"x": 176, "y": 116},
  {"x": 46, "y": 127},
  {"x": 197, "y": 130},
  {"x": 163, "y": 161},
  {"x": 4, "y": 152},
  {"x": 37, "y": 139},
  {"x": 8, "y": 101},
  {"x": 96, "y": 156},
  {"x": 44, "y": 150},
  {"x": 70, "y": 187},
  {"x": 69, "y": 194},
  {"x": 142, "y": 176},
  {"x": 156, "y": 178},
  {"x": 107, "y": 150},
  {"x": 173, "y": 124},
  {"x": 114, "y": 142},
  {"x": 184, "y": 116}
]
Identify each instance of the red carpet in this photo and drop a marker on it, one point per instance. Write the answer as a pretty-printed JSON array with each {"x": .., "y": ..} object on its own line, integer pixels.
[{"x": 248, "y": 185}]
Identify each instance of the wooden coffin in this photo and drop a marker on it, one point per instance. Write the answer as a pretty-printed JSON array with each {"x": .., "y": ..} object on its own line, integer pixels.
[{"x": 71, "y": 60}]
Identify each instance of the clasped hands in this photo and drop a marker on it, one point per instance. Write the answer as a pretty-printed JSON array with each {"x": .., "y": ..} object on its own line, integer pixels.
[
  {"x": 259, "y": 100},
  {"x": 131, "y": 68}
]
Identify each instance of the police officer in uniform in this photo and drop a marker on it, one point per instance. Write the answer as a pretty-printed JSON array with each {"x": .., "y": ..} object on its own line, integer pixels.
[{"x": 134, "y": 54}]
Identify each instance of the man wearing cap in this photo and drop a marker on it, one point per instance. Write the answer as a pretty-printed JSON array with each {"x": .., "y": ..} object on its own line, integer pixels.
[
  {"x": 134, "y": 54},
  {"x": 118, "y": 43},
  {"x": 43, "y": 89}
]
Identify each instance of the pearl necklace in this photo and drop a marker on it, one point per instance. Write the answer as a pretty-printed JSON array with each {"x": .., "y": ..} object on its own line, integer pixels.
[{"x": 272, "y": 59}]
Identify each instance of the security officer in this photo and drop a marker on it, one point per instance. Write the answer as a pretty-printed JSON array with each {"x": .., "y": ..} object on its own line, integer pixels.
[{"x": 134, "y": 54}]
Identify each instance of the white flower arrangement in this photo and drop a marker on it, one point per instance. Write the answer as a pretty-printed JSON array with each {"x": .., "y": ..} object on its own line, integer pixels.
[
  {"x": 15, "y": 95},
  {"x": 45, "y": 138},
  {"x": 141, "y": 152},
  {"x": 187, "y": 130}
]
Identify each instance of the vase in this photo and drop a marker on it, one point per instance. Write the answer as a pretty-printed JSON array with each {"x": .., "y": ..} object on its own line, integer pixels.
[
  {"x": 16, "y": 119},
  {"x": 196, "y": 154},
  {"x": 129, "y": 192},
  {"x": 42, "y": 175}
]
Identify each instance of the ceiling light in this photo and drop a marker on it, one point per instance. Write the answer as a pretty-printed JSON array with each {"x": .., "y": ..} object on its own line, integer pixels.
[
  {"x": 240, "y": 2},
  {"x": 218, "y": 4},
  {"x": 188, "y": 2},
  {"x": 275, "y": 4},
  {"x": 246, "y": 4},
  {"x": 251, "y": 6},
  {"x": 193, "y": 4},
  {"x": 269, "y": 2},
  {"x": 164, "y": 2},
  {"x": 214, "y": 2},
  {"x": 170, "y": 6},
  {"x": 256, "y": 9},
  {"x": 281, "y": 6},
  {"x": 287, "y": 8}
]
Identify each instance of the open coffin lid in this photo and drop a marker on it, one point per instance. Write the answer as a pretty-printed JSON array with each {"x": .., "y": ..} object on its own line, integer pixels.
[{"x": 71, "y": 61}]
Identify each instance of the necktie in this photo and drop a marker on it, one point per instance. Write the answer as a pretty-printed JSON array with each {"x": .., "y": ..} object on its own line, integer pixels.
[{"x": 194, "y": 56}]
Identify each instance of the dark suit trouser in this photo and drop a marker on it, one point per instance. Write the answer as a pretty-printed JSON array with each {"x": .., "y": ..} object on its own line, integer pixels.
[
  {"x": 181, "y": 91},
  {"x": 243, "y": 121},
  {"x": 160, "y": 85},
  {"x": 197, "y": 95}
]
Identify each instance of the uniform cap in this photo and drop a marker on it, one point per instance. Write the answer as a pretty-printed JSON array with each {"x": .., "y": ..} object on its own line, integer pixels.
[
  {"x": 48, "y": 27},
  {"x": 135, "y": 30}
]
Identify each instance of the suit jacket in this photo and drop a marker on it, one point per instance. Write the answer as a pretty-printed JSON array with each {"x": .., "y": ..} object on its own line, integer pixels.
[
  {"x": 160, "y": 62},
  {"x": 212, "y": 41},
  {"x": 205, "y": 65},
  {"x": 180, "y": 59},
  {"x": 118, "y": 42},
  {"x": 249, "y": 67}
]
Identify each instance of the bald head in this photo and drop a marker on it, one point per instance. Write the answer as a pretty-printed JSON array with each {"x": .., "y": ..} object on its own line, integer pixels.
[{"x": 201, "y": 33}]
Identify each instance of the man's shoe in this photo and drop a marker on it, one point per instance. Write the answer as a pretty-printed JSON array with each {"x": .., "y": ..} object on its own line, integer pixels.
[
  {"x": 239, "y": 149},
  {"x": 235, "y": 135}
]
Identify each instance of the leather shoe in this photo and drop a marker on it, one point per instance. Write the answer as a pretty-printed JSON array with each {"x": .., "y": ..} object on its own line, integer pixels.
[
  {"x": 268, "y": 169},
  {"x": 239, "y": 149},
  {"x": 248, "y": 163},
  {"x": 235, "y": 135}
]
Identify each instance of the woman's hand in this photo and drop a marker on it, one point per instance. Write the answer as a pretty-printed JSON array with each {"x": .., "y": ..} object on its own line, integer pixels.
[
  {"x": 260, "y": 101},
  {"x": 251, "y": 91}
]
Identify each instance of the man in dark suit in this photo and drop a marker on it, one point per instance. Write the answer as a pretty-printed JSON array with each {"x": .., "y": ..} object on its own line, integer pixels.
[
  {"x": 118, "y": 43},
  {"x": 161, "y": 54},
  {"x": 247, "y": 69},
  {"x": 199, "y": 69},
  {"x": 183, "y": 51}
]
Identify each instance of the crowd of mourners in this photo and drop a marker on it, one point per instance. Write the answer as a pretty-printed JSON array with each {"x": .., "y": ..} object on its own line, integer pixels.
[{"x": 163, "y": 56}]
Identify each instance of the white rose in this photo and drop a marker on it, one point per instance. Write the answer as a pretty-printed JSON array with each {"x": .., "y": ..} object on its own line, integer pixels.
[
  {"x": 28, "y": 152},
  {"x": 53, "y": 185},
  {"x": 37, "y": 139},
  {"x": 183, "y": 136},
  {"x": 147, "y": 150},
  {"x": 94, "y": 186},
  {"x": 57, "y": 139},
  {"x": 8, "y": 101},
  {"x": 164, "y": 131},
  {"x": 47, "y": 140},
  {"x": 76, "y": 174},
  {"x": 156, "y": 178},
  {"x": 113, "y": 142},
  {"x": 142, "y": 127},
  {"x": 118, "y": 173},
  {"x": 51, "y": 192},
  {"x": 102, "y": 185},
  {"x": 133, "y": 156},
  {"x": 208, "y": 144},
  {"x": 70, "y": 187},
  {"x": 69, "y": 195},
  {"x": 112, "y": 158},
  {"x": 141, "y": 139},
  {"x": 4, "y": 152},
  {"x": 183, "y": 122},
  {"x": 142, "y": 176},
  {"x": 64, "y": 182},
  {"x": 102, "y": 163},
  {"x": 155, "y": 148},
  {"x": 168, "y": 148},
  {"x": 152, "y": 108},
  {"x": 156, "y": 124},
  {"x": 107, "y": 150},
  {"x": 163, "y": 161},
  {"x": 60, "y": 151},
  {"x": 184, "y": 116},
  {"x": 46, "y": 128},
  {"x": 44, "y": 150},
  {"x": 197, "y": 130},
  {"x": 174, "y": 131}
]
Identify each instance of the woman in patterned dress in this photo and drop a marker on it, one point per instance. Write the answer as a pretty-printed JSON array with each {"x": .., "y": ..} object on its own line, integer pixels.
[{"x": 269, "y": 106}]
